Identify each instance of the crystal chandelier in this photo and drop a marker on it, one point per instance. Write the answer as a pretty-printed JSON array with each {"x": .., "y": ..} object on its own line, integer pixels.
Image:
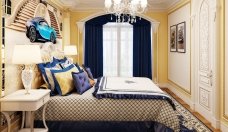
[{"x": 125, "y": 9}]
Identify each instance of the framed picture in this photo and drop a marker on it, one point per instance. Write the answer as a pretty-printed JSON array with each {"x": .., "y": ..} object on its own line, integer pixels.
[
  {"x": 173, "y": 38},
  {"x": 181, "y": 38}
]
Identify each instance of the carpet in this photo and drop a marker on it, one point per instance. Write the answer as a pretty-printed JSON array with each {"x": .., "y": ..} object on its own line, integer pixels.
[{"x": 188, "y": 119}]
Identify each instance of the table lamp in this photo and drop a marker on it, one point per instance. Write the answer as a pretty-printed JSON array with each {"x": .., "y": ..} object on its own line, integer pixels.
[
  {"x": 70, "y": 50},
  {"x": 27, "y": 55}
]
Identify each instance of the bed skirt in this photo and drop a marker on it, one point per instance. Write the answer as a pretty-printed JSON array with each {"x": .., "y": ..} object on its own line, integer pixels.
[{"x": 111, "y": 126}]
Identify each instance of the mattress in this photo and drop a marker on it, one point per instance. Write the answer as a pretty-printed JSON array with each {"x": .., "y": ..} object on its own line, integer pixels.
[{"x": 86, "y": 107}]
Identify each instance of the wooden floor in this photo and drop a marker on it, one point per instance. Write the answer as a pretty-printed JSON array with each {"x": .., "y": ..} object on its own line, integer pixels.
[{"x": 200, "y": 117}]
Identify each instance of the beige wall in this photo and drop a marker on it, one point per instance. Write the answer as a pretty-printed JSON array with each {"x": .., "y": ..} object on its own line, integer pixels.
[
  {"x": 77, "y": 38},
  {"x": 179, "y": 63}
]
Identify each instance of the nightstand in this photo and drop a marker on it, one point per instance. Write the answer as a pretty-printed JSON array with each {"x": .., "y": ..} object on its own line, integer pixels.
[{"x": 19, "y": 101}]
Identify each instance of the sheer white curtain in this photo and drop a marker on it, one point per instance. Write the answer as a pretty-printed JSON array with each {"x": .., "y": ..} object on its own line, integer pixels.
[{"x": 118, "y": 49}]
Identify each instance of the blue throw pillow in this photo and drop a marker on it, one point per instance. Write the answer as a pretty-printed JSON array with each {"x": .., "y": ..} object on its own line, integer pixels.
[
  {"x": 81, "y": 82},
  {"x": 87, "y": 69},
  {"x": 89, "y": 73}
]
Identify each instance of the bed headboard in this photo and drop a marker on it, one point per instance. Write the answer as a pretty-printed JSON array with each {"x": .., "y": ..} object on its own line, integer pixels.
[{"x": 48, "y": 51}]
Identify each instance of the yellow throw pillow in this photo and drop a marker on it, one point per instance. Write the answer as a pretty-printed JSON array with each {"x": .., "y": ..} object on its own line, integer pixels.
[{"x": 64, "y": 80}]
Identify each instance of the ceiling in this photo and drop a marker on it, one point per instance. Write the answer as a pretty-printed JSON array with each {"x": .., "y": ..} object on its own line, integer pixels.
[{"x": 74, "y": 5}]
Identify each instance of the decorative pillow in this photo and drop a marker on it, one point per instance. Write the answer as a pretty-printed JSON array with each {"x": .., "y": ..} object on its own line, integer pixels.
[
  {"x": 88, "y": 71},
  {"x": 63, "y": 79},
  {"x": 89, "y": 74},
  {"x": 50, "y": 79},
  {"x": 64, "y": 62},
  {"x": 79, "y": 67},
  {"x": 60, "y": 60},
  {"x": 42, "y": 67},
  {"x": 81, "y": 82}
]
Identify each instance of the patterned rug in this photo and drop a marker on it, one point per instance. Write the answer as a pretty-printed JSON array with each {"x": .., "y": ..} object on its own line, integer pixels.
[{"x": 188, "y": 120}]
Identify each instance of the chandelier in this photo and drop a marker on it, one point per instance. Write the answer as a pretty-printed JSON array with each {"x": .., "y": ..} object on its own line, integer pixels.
[{"x": 125, "y": 9}]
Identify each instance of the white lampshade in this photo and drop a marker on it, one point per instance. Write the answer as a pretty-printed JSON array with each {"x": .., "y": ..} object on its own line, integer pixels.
[
  {"x": 26, "y": 54},
  {"x": 70, "y": 50}
]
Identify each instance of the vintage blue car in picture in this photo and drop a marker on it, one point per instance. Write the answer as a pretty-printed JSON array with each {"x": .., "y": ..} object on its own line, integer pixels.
[{"x": 37, "y": 29}]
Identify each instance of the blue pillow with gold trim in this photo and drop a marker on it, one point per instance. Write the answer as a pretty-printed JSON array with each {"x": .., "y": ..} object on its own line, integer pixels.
[{"x": 63, "y": 79}]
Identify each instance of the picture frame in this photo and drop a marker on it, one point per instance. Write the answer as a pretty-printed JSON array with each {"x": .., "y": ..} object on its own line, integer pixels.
[
  {"x": 181, "y": 37},
  {"x": 173, "y": 38}
]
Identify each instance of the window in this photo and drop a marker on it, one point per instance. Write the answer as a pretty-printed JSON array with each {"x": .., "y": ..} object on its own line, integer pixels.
[{"x": 118, "y": 49}]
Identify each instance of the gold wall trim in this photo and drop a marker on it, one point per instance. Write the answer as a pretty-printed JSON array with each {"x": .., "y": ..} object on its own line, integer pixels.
[
  {"x": 177, "y": 7},
  {"x": 225, "y": 117},
  {"x": 179, "y": 87}
]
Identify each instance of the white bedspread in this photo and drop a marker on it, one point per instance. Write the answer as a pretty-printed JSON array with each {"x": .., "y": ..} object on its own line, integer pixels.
[{"x": 129, "y": 85}]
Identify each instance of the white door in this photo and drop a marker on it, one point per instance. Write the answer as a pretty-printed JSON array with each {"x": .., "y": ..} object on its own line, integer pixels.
[{"x": 206, "y": 63}]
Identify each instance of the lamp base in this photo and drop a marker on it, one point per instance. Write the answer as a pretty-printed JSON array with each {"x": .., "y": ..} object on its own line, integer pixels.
[{"x": 27, "y": 76}]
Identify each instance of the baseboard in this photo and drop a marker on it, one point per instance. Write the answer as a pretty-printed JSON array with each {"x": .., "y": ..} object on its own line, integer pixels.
[
  {"x": 186, "y": 99},
  {"x": 217, "y": 123},
  {"x": 163, "y": 85},
  {"x": 208, "y": 115},
  {"x": 224, "y": 127}
]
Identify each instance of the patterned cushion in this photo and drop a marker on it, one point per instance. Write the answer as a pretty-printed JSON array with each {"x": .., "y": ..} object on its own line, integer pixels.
[
  {"x": 50, "y": 79},
  {"x": 63, "y": 62},
  {"x": 63, "y": 79},
  {"x": 44, "y": 66},
  {"x": 81, "y": 82},
  {"x": 88, "y": 71}
]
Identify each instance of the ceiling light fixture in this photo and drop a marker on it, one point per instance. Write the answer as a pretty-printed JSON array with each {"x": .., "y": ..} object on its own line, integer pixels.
[{"x": 125, "y": 9}]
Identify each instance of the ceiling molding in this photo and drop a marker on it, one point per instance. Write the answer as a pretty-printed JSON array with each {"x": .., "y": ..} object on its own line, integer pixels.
[{"x": 84, "y": 5}]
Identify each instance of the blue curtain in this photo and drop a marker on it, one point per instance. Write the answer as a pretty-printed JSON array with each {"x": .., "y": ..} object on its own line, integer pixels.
[
  {"x": 94, "y": 49},
  {"x": 142, "y": 65},
  {"x": 141, "y": 45},
  {"x": 94, "y": 44}
]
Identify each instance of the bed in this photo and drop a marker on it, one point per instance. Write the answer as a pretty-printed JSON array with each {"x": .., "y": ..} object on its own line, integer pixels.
[
  {"x": 94, "y": 107},
  {"x": 86, "y": 107}
]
